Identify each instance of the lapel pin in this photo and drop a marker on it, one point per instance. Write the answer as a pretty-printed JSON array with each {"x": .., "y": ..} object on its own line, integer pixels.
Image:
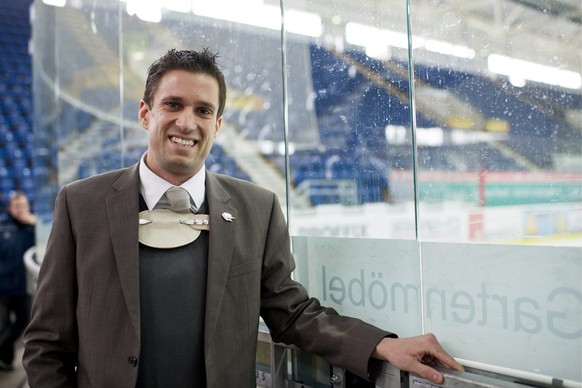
[{"x": 227, "y": 217}]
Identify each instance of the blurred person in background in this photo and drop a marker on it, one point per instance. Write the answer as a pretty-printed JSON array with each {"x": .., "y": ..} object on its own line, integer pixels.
[{"x": 17, "y": 234}]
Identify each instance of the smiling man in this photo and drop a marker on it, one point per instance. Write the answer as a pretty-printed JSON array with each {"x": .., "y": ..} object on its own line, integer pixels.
[
  {"x": 182, "y": 120},
  {"x": 156, "y": 275}
]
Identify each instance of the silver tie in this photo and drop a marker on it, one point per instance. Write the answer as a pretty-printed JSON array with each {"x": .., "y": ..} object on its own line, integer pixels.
[{"x": 179, "y": 199}]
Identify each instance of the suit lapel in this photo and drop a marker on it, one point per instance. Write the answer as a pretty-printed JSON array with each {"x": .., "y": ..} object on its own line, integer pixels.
[
  {"x": 122, "y": 215},
  {"x": 219, "y": 252}
]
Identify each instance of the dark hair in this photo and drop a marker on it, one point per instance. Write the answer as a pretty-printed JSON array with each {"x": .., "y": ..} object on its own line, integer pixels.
[{"x": 203, "y": 61}]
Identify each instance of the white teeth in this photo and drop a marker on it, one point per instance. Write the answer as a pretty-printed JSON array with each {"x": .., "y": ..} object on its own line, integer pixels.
[{"x": 184, "y": 142}]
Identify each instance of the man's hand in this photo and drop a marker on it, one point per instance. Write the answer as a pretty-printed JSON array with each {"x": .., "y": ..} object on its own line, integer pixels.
[
  {"x": 416, "y": 354},
  {"x": 26, "y": 218}
]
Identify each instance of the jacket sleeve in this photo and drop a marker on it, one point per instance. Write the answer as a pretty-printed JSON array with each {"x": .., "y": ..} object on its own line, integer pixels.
[
  {"x": 50, "y": 353},
  {"x": 295, "y": 318}
]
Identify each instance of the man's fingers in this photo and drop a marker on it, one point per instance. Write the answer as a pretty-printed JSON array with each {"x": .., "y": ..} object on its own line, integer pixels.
[
  {"x": 444, "y": 360},
  {"x": 417, "y": 354},
  {"x": 440, "y": 355},
  {"x": 453, "y": 364},
  {"x": 430, "y": 374}
]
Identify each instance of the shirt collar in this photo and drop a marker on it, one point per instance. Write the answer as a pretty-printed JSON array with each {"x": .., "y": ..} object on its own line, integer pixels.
[{"x": 152, "y": 187}]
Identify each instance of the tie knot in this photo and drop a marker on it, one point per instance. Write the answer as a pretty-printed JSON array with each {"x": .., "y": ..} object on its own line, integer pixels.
[{"x": 178, "y": 199}]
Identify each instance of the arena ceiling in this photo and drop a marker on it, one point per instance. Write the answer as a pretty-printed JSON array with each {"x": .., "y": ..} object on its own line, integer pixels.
[
  {"x": 542, "y": 31},
  {"x": 545, "y": 32}
]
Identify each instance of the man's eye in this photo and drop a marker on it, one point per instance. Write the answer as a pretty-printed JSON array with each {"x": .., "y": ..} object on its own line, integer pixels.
[{"x": 173, "y": 105}]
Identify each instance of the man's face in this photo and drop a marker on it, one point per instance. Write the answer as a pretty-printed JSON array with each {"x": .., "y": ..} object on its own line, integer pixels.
[
  {"x": 181, "y": 124},
  {"x": 19, "y": 207}
]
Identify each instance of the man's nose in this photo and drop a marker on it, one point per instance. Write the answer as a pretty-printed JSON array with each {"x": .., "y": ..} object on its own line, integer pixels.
[{"x": 186, "y": 120}]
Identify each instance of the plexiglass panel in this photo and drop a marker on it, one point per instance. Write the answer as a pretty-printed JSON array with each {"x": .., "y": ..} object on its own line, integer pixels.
[
  {"x": 358, "y": 278},
  {"x": 499, "y": 162},
  {"x": 429, "y": 165},
  {"x": 512, "y": 308},
  {"x": 352, "y": 182},
  {"x": 498, "y": 110},
  {"x": 90, "y": 70}
]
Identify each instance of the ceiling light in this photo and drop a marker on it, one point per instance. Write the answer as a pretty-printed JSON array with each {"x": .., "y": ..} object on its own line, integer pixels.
[
  {"x": 447, "y": 48},
  {"x": 261, "y": 15},
  {"x": 56, "y": 3},
  {"x": 517, "y": 69},
  {"x": 303, "y": 23},
  {"x": 146, "y": 10}
]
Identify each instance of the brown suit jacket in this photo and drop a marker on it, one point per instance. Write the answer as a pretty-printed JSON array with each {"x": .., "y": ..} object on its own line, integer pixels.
[{"x": 85, "y": 326}]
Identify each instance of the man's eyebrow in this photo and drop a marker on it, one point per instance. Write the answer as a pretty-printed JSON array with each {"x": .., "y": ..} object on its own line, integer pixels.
[
  {"x": 206, "y": 104},
  {"x": 171, "y": 98}
]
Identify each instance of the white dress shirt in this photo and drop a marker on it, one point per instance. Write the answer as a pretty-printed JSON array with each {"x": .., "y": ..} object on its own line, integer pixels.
[{"x": 152, "y": 187}]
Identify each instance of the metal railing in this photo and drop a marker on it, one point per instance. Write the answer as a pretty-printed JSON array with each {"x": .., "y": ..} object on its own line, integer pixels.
[{"x": 283, "y": 366}]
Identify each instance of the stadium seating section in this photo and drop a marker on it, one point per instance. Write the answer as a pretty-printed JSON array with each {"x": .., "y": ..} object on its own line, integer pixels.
[
  {"x": 16, "y": 135},
  {"x": 355, "y": 99}
]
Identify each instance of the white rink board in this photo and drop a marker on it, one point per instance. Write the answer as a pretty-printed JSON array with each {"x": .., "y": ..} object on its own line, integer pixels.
[{"x": 512, "y": 306}]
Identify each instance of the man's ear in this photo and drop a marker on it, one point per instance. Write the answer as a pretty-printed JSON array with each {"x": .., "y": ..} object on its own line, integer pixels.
[
  {"x": 143, "y": 114},
  {"x": 217, "y": 126}
]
